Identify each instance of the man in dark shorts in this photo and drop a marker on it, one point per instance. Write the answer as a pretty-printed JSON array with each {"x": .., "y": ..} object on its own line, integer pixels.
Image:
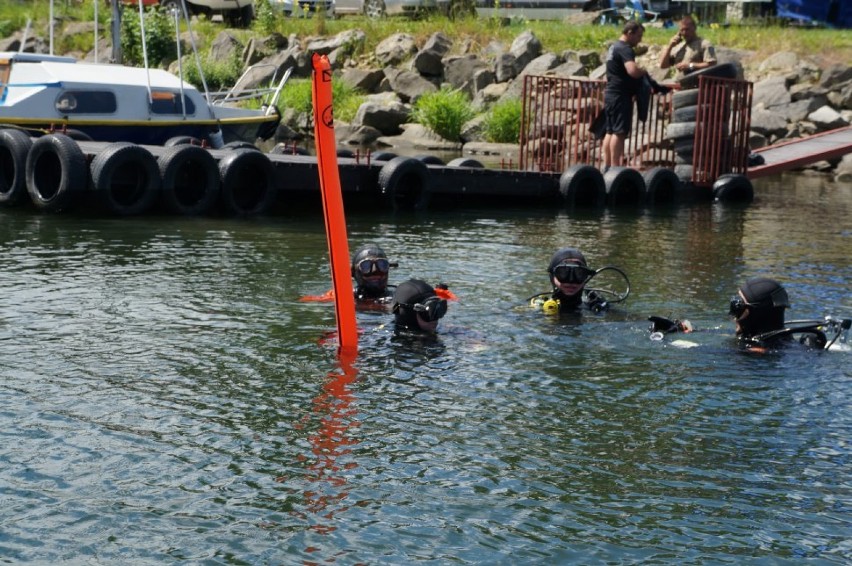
[{"x": 623, "y": 79}]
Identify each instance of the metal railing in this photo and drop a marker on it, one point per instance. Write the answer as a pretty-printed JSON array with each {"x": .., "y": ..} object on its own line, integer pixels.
[{"x": 557, "y": 116}]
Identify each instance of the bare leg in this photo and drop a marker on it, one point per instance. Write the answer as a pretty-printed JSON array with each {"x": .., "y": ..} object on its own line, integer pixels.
[{"x": 617, "y": 149}]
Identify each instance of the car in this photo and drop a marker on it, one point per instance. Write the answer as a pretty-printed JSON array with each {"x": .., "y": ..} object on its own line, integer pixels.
[
  {"x": 234, "y": 12},
  {"x": 306, "y": 8},
  {"x": 380, "y": 8}
]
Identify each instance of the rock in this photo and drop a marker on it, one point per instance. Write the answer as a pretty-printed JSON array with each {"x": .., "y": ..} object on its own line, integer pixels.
[
  {"x": 349, "y": 41},
  {"x": 504, "y": 68},
  {"x": 842, "y": 99},
  {"x": 771, "y": 92},
  {"x": 225, "y": 46},
  {"x": 525, "y": 48},
  {"x": 569, "y": 69},
  {"x": 799, "y": 110},
  {"x": 770, "y": 124},
  {"x": 348, "y": 134},
  {"x": 365, "y": 80},
  {"x": 408, "y": 85},
  {"x": 835, "y": 74},
  {"x": 395, "y": 49},
  {"x": 827, "y": 118},
  {"x": 843, "y": 171},
  {"x": 489, "y": 95},
  {"x": 459, "y": 71},
  {"x": 384, "y": 112},
  {"x": 418, "y": 136},
  {"x": 428, "y": 60},
  {"x": 587, "y": 58},
  {"x": 473, "y": 129},
  {"x": 781, "y": 61}
]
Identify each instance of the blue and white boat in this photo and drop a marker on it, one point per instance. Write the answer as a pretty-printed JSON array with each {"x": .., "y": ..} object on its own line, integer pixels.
[{"x": 108, "y": 102}]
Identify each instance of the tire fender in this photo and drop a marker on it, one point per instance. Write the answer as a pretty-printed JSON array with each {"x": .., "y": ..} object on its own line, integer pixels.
[
  {"x": 624, "y": 185},
  {"x": 248, "y": 183},
  {"x": 382, "y": 156},
  {"x": 125, "y": 178},
  {"x": 190, "y": 180},
  {"x": 733, "y": 188},
  {"x": 182, "y": 140},
  {"x": 682, "y": 98},
  {"x": 582, "y": 185},
  {"x": 56, "y": 171},
  {"x": 405, "y": 183},
  {"x": 14, "y": 147},
  {"x": 661, "y": 185},
  {"x": 430, "y": 159},
  {"x": 465, "y": 162}
]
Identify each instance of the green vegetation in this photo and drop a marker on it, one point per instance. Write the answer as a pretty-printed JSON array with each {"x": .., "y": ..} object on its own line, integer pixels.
[
  {"x": 159, "y": 38},
  {"x": 503, "y": 122},
  {"x": 444, "y": 112},
  {"x": 297, "y": 95}
]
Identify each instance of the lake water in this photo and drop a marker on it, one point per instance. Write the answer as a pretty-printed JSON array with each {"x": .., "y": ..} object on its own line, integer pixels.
[{"x": 166, "y": 398}]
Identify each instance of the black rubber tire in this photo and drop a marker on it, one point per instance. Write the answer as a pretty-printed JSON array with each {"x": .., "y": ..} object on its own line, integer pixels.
[
  {"x": 733, "y": 188},
  {"x": 661, "y": 185},
  {"x": 684, "y": 158},
  {"x": 56, "y": 172},
  {"x": 624, "y": 186},
  {"x": 190, "y": 180},
  {"x": 240, "y": 145},
  {"x": 14, "y": 147},
  {"x": 382, "y": 156},
  {"x": 582, "y": 185},
  {"x": 182, "y": 140},
  {"x": 685, "y": 114},
  {"x": 682, "y": 98},
  {"x": 125, "y": 178},
  {"x": 678, "y": 130},
  {"x": 248, "y": 183},
  {"x": 465, "y": 162},
  {"x": 405, "y": 183},
  {"x": 684, "y": 146},
  {"x": 346, "y": 153},
  {"x": 430, "y": 159},
  {"x": 723, "y": 70}
]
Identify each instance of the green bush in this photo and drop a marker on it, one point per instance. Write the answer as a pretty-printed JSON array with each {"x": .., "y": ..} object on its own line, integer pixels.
[
  {"x": 297, "y": 94},
  {"x": 503, "y": 122},
  {"x": 444, "y": 112},
  {"x": 219, "y": 75},
  {"x": 265, "y": 19},
  {"x": 159, "y": 37}
]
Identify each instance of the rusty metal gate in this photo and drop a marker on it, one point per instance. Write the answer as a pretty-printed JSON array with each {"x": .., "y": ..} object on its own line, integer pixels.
[
  {"x": 556, "y": 126},
  {"x": 557, "y": 116},
  {"x": 722, "y": 124}
]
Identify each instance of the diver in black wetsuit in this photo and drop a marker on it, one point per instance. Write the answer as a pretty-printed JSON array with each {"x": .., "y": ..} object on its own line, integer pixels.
[
  {"x": 758, "y": 312},
  {"x": 417, "y": 306},
  {"x": 569, "y": 273},
  {"x": 370, "y": 267}
]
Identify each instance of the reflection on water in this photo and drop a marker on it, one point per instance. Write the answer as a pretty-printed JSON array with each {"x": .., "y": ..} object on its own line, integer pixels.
[{"x": 166, "y": 397}]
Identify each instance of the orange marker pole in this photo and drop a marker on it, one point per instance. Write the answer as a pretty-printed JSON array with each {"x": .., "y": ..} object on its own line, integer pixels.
[{"x": 332, "y": 202}]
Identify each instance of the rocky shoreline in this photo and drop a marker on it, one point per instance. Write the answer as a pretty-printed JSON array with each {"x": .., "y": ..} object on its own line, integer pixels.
[{"x": 793, "y": 96}]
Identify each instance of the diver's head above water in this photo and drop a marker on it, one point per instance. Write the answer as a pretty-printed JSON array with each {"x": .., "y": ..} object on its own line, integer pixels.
[
  {"x": 759, "y": 307},
  {"x": 569, "y": 273},
  {"x": 416, "y": 306},
  {"x": 370, "y": 268}
]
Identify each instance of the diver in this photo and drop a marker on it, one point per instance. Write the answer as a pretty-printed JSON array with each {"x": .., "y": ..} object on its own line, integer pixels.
[
  {"x": 570, "y": 275},
  {"x": 417, "y": 306},
  {"x": 758, "y": 313},
  {"x": 370, "y": 268}
]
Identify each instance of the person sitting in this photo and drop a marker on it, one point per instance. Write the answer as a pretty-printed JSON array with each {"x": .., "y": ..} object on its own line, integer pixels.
[
  {"x": 695, "y": 53},
  {"x": 417, "y": 306},
  {"x": 569, "y": 274},
  {"x": 370, "y": 267}
]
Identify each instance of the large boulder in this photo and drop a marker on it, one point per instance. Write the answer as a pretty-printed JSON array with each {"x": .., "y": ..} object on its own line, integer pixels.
[
  {"x": 384, "y": 112},
  {"x": 408, "y": 85},
  {"x": 428, "y": 60},
  {"x": 395, "y": 49}
]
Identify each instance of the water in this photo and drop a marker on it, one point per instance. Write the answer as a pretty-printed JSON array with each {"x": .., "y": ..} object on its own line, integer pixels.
[{"x": 165, "y": 397}]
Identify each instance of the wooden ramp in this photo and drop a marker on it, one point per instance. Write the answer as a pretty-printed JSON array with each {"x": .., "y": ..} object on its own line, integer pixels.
[{"x": 795, "y": 153}]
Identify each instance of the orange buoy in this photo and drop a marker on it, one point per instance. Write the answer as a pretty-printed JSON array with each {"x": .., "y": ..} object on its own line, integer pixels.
[{"x": 332, "y": 201}]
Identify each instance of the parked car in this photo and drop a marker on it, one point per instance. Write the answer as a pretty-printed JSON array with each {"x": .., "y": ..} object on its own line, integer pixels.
[
  {"x": 234, "y": 12},
  {"x": 381, "y": 8},
  {"x": 297, "y": 8}
]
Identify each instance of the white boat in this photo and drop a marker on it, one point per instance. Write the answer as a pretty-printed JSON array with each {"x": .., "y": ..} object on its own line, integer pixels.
[{"x": 107, "y": 102}]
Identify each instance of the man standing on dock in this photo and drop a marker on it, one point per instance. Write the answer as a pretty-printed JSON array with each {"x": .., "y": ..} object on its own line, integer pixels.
[
  {"x": 623, "y": 80},
  {"x": 695, "y": 53}
]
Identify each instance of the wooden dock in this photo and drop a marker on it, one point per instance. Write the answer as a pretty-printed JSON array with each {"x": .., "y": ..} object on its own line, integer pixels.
[{"x": 796, "y": 153}]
